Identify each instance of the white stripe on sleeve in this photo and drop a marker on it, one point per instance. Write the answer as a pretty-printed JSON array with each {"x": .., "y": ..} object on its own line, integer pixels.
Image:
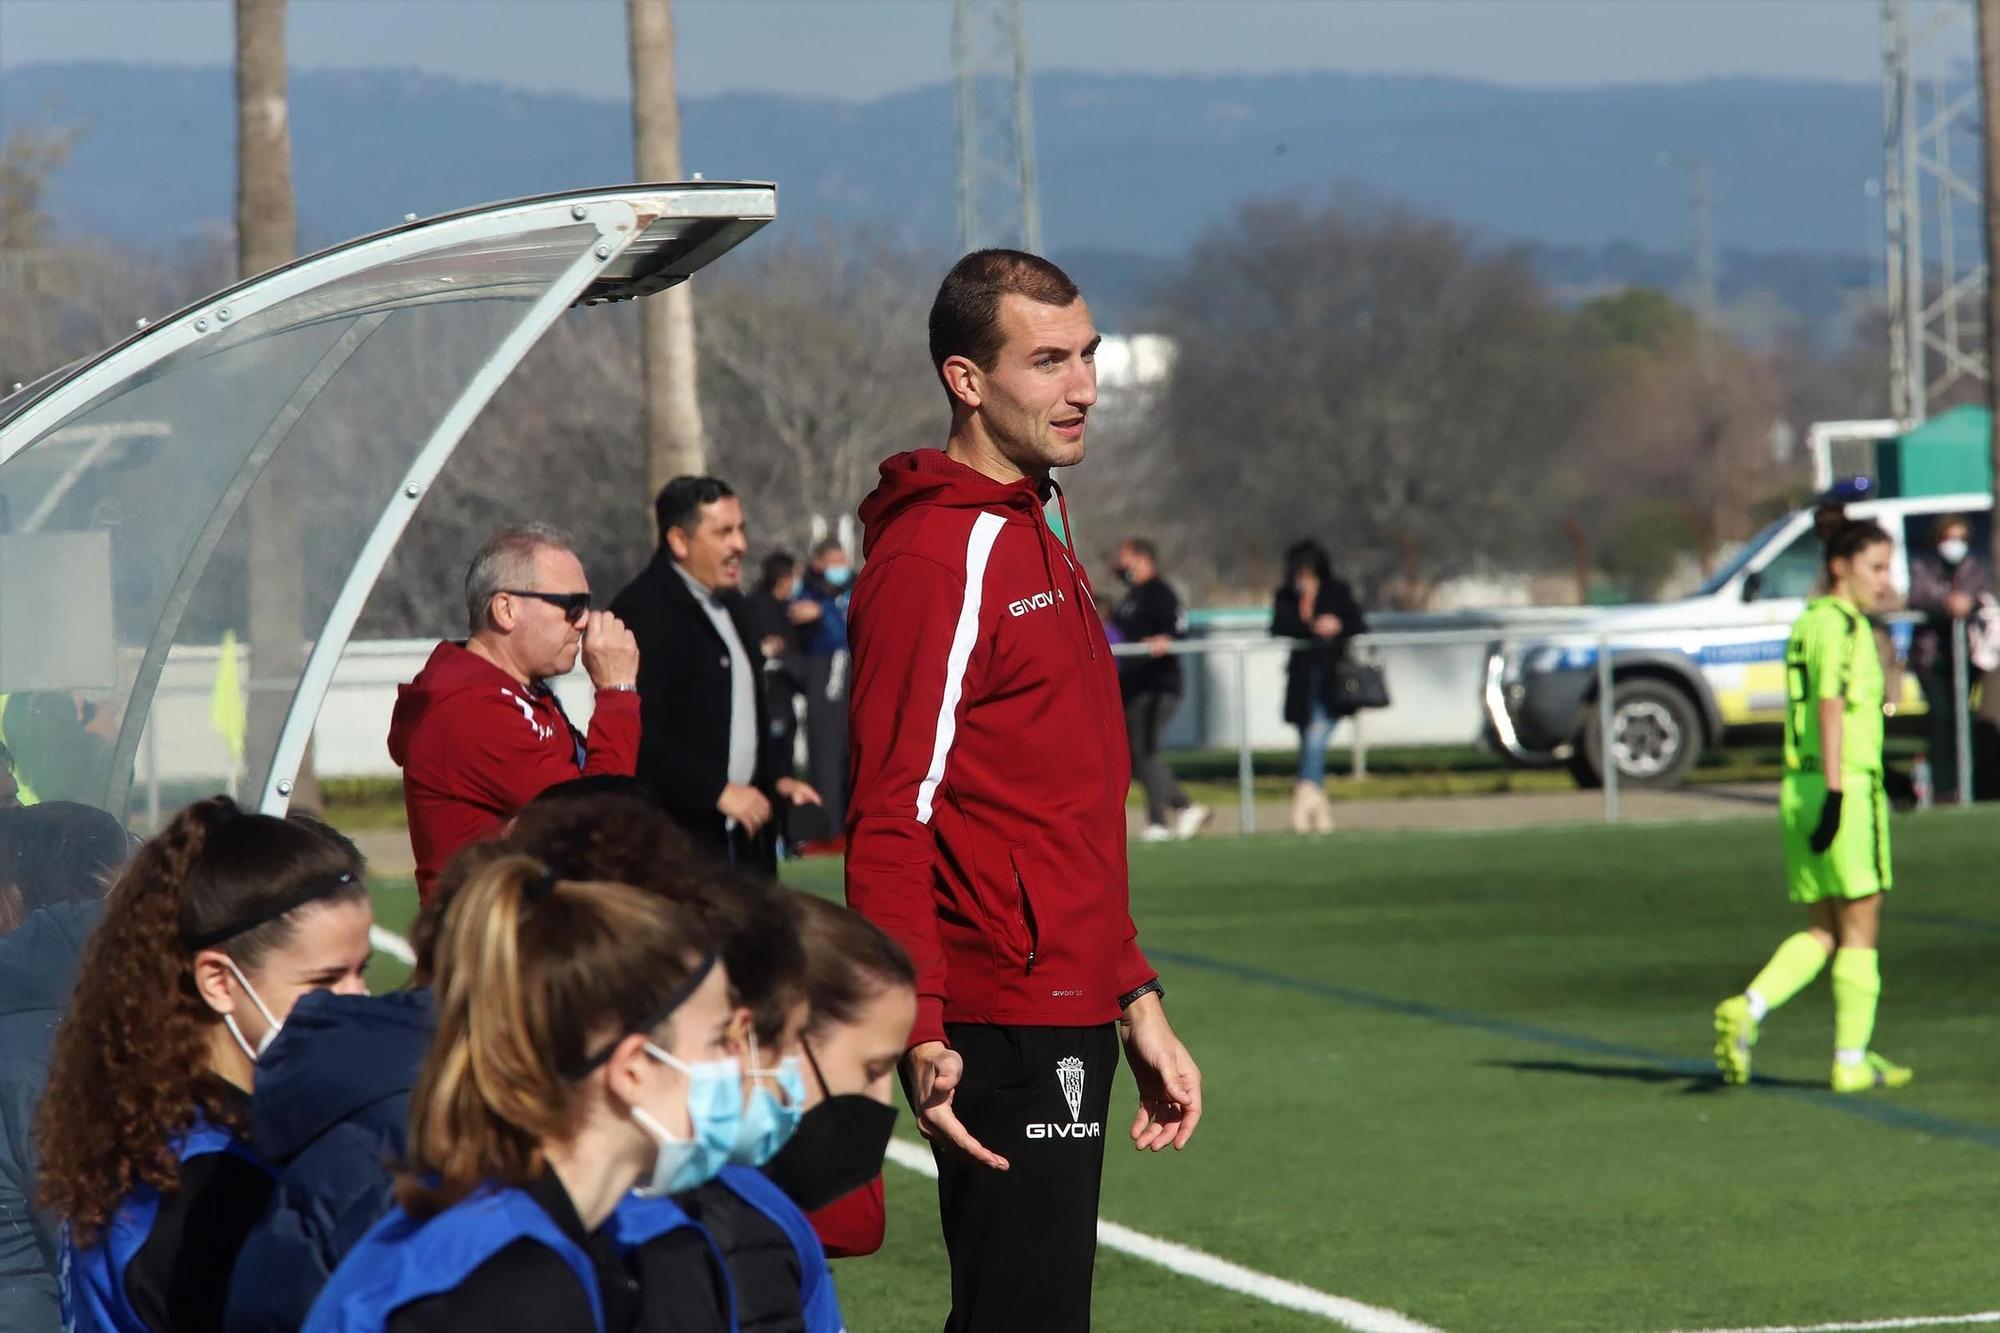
[{"x": 985, "y": 531}]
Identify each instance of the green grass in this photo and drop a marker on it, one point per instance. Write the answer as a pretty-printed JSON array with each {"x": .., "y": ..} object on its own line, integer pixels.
[
  {"x": 1395, "y": 772},
  {"x": 1407, "y": 1108},
  {"x": 1463, "y": 1077}
]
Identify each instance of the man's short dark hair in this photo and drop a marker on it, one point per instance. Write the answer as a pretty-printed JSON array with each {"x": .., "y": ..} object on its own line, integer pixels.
[
  {"x": 680, "y": 502},
  {"x": 1143, "y": 546},
  {"x": 827, "y": 546},
  {"x": 965, "y": 318}
]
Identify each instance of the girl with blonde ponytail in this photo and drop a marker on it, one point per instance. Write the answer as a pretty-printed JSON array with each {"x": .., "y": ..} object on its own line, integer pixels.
[
  {"x": 582, "y": 1049},
  {"x": 211, "y": 933}
]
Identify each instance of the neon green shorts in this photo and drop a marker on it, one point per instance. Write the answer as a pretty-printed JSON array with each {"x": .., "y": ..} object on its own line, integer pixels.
[{"x": 1857, "y": 865}]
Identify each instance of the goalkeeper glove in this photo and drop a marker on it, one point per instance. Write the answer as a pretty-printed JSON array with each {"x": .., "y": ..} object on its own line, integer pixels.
[{"x": 1829, "y": 824}]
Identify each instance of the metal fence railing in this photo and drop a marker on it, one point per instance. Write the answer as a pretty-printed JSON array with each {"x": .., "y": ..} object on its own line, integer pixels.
[{"x": 1604, "y": 648}]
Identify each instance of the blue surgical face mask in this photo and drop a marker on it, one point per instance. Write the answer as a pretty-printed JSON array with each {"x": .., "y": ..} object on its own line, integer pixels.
[
  {"x": 769, "y": 1118},
  {"x": 715, "y": 1105},
  {"x": 837, "y": 575}
]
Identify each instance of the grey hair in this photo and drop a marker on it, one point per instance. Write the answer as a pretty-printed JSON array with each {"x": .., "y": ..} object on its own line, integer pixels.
[{"x": 507, "y": 560}]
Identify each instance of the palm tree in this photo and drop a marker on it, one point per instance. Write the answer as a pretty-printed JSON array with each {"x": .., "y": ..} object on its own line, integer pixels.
[
  {"x": 267, "y": 236},
  {"x": 675, "y": 442}
]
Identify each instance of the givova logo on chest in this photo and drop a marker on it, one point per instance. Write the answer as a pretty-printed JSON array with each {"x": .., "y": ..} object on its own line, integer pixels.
[{"x": 1040, "y": 601}]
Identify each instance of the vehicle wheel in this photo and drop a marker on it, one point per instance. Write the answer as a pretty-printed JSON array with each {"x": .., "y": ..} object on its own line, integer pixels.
[{"x": 1656, "y": 736}]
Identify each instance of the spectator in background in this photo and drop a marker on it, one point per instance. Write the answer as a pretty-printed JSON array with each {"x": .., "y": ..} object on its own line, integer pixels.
[
  {"x": 820, "y": 613},
  {"x": 783, "y": 674},
  {"x": 1313, "y": 606},
  {"x": 1150, "y": 613},
  {"x": 1946, "y": 586},
  {"x": 478, "y": 733},
  {"x": 56, "y": 862},
  {"x": 705, "y": 747}
]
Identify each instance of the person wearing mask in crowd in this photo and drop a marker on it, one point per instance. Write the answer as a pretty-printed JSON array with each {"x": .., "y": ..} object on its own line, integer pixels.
[
  {"x": 1319, "y": 610},
  {"x": 765, "y": 1240},
  {"x": 1150, "y": 613},
  {"x": 479, "y": 732},
  {"x": 986, "y": 820},
  {"x": 820, "y": 613},
  {"x": 215, "y": 929},
  {"x": 821, "y": 1141},
  {"x": 1834, "y": 815},
  {"x": 581, "y": 1051},
  {"x": 56, "y": 862},
  {"x": 705, "y": 747},
  {"x": 769, "y": 620},
  {"x": 1946, "y": 586},
  {"x": 331, "y": 1108},
  {"x": 861, "y": 995}
]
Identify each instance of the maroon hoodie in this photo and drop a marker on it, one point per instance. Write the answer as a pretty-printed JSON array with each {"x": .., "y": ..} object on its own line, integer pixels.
[
  {"x": 475, "y": 746},
  {"x": 986, "y": 815}
]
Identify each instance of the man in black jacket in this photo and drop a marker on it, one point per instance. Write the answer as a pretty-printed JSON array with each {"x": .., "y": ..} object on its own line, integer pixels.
[
  {"x": 1150, "y": 614},
  {"x": 707, "y": 748}
]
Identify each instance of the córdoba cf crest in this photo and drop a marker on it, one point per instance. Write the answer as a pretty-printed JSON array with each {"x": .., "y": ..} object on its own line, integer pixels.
[{"x": 1069, "y": 1073}]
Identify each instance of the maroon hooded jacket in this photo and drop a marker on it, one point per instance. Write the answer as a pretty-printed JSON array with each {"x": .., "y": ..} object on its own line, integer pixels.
[
  {"x": 475, "y": 746},
  {"x": 986, "y": 821}
]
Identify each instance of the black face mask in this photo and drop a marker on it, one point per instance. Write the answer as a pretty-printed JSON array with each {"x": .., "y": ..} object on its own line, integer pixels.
[
  {"x": 1124, "y": 575},
  {"x": 837, "y": 1148}
]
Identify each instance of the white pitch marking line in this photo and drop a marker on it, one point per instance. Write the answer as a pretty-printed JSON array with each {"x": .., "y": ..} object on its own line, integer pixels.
[
  {"x": 1865, "y": 1325},
  {"x": 1218, "y": 1272},
  {"x": 389, "y": 942}
]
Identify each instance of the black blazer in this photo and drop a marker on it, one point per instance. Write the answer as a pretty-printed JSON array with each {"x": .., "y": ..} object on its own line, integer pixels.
[
  {"x": 1335, "y": 598},
  {"x": 684, "y": 684}
]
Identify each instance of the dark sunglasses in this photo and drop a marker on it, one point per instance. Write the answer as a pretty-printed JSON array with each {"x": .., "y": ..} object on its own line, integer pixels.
[{"x": 574, "y": 605}]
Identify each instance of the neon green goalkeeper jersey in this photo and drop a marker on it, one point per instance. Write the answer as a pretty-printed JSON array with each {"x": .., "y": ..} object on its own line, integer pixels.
[{"x": 1831, "y": 655}]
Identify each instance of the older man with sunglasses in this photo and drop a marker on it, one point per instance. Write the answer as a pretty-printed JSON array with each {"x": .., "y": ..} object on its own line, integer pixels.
[{"x": 478, "y": 733}]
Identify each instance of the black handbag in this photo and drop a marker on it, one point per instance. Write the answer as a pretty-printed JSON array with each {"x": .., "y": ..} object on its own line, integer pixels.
[{"x": 1359, "y": 684}]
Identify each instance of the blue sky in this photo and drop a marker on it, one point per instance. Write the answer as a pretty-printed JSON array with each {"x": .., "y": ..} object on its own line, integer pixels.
[{"x": 864, "y": 48}]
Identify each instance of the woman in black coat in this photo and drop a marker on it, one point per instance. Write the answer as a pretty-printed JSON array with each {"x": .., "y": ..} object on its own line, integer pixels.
[{"x": 1314, "y": 606}]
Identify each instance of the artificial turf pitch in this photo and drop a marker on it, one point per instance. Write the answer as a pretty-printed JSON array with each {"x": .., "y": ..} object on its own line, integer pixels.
[{"x": 1466, "y": 1078}]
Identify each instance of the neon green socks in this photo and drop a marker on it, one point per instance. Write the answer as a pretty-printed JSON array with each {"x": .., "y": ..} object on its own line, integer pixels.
[
  {"x": 1791, "y": 969},
  {"x": 1857, "y": 985}
]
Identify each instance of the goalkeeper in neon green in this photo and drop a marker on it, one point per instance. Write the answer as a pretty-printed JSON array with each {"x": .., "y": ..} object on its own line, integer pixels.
[{"x": 1834, "y": 816}]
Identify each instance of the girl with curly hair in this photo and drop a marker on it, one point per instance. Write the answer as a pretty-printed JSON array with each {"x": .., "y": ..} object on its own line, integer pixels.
[
  {"x": 209, "y": 936},
  {"x": 583, "y": 1042}
]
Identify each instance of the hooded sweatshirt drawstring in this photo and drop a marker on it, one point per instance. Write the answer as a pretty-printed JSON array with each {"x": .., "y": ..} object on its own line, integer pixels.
[{"x": 1075, "y": 583}]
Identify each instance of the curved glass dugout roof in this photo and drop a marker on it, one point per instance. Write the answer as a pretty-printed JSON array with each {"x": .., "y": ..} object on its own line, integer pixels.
[{"x": 201, "y": 510}]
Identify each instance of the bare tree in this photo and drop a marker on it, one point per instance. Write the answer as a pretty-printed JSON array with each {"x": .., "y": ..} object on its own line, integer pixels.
[
  {"x": 28, "y": 159},
  {"x": 1365, "y": 376},
  {"x": 266, "y": 236},
  {"x": 675, "y": 443},
  {"x": 816, "y": 367},
  {"x": 1687, "y": 428}
]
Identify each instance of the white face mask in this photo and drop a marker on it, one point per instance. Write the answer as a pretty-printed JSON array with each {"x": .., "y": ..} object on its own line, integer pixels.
[
  {"x": 1954, "y": 550},
  {"x": 271, "y": 1025}
]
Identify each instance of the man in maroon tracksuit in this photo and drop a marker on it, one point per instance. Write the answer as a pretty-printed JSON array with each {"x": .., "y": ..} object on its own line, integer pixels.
[
  {"x": 479, "y": 734},
  {"x": 986, "y": 829}
]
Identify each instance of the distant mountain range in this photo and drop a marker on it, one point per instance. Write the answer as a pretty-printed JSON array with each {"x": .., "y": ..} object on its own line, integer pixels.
[{"x": 1132, "y": 168}]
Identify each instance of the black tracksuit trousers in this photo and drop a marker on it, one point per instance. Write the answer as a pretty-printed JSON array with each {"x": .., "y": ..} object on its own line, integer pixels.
[{"x": 1023, "y": 1241}]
